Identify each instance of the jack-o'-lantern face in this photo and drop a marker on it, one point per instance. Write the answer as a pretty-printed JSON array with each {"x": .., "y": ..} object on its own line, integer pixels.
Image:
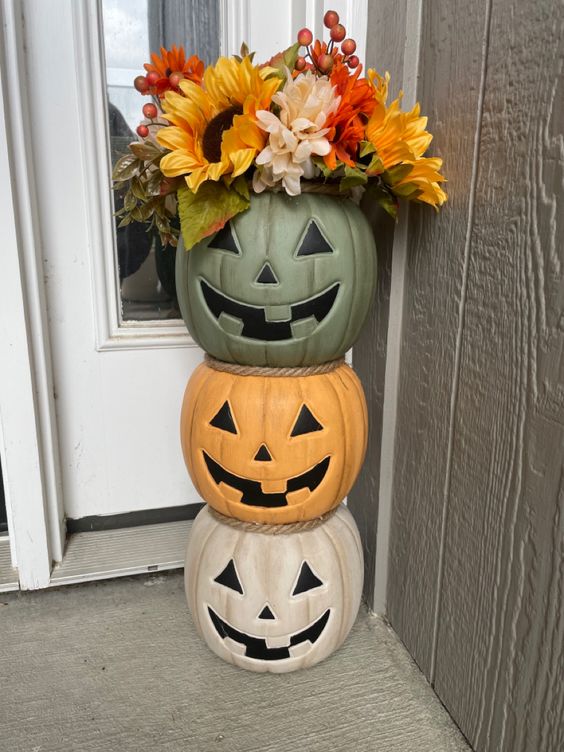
[
  {"x": 273, "y": 449},
  {"x": 285, "y": 283},
  {"x": 274, "y": 603},
  {"x": 256, "y": 647}
]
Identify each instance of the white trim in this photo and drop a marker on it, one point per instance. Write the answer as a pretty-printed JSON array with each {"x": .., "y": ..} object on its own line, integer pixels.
[
  {"x": 393, "y": 351},
  {"x": 30, "y": 454},
  {"x": 357, "y": 26},
  {"x": 308, "y": 13},
  {"x": 235, "y": 28},
  {"x": 111, "y": 332}
]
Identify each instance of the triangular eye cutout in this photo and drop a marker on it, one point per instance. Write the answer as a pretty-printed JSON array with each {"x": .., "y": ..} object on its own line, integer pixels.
[
  {"x": 313, "y": 242},
  {"x": 307, "y": 580},
  {"x": 223, "y": 419},
  {"x": 229, "y": 578},
  {"x": 267, "y": 276},
  {"x": 305, "y": 423},
  {"x": 225, "y": 240}
]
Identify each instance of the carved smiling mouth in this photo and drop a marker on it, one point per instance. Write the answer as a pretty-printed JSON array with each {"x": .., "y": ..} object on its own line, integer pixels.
[
  {"x": 290, "y": 321},
  {"x": 256, "y": 647},
  {"x": 251, "y": 490}
]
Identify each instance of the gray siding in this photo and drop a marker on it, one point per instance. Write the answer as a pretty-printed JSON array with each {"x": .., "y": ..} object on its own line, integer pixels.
[{"x": 476, "y": 569}]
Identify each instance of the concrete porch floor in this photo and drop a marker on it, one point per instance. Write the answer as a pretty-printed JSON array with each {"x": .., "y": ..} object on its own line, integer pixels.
[{"x": 117, "y": 666}]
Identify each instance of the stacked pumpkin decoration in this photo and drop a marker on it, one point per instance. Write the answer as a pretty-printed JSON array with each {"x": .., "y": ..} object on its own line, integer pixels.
[
  {"x": 273, "y": 576},
  {"x": 275, "y": 273}
]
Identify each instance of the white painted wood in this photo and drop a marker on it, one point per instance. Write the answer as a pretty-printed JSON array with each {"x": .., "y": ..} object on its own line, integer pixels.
[
  {"x": 270, "y": 27},
  {"x": 118, "y": 553},
  {"x": 234, "y": 16},
  {"x": 29, "y": 443},
  {"x": 353, "y": 14},
  {"x": 117, "y": 410}
]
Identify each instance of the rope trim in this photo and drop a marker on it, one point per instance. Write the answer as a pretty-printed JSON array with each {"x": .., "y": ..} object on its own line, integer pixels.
[
  {"x": 257, "y": 527},
  {"x": 240, "y": 370},
  {"x": 312, "y": 186}
]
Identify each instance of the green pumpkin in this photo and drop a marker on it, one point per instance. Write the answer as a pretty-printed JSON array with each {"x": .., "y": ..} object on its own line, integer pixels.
[{"x": 286, "y": 283}]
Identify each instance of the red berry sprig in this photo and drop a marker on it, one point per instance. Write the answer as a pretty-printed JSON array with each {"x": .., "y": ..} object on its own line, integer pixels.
[
  {"x": 148, "y": 84},
  {"x": 330, "y": 19},
  {"x": 323, "y": 63},
  {"x": 150, "y": 112}
]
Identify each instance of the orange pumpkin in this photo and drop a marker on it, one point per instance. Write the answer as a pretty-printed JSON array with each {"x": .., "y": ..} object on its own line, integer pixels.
[{"x": 273, "y": 449}]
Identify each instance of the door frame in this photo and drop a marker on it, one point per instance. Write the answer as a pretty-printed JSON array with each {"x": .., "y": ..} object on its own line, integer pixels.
[
  {"x": 29, "y": 446},
  {"x": 29, "y": 442}
]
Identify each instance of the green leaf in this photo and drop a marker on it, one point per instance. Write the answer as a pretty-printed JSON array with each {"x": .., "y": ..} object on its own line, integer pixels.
[
  {"x": 285, "y": 59},
  {"x": 153, "y": 185},
  {"x": 207, "y": 211},
  {"x": 136, "y": 214},
  {"x": 291, "y": 55},
  {"x": 394, "y": 174},
  {"x": 245, "y": 52},
  {"x": 353, "y": 177},
  {"x": 163, "y": 225},
  {"x": 129, "y": 202},
  {"x": 366, "y": 148},
  {"x": 242, "y": 187},
  {"x": 326, "y": 171},
  {"x": 409, "y": 191},
  {"x": 145, "y": 150},
  {"x": 148, "y": 208},
  {"x": 137, "y": 189},
  {"x": 376, "y": 166},
  {"x": 382, "y": 195},
  {"x": 126, "y": 167}
]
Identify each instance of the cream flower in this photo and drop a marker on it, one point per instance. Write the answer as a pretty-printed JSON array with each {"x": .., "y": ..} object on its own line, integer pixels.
[{"x": 296, "y": 134}]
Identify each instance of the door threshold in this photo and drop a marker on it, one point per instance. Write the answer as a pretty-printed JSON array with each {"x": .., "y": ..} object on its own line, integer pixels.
[
  {"x": 104, "y": 554},
  {"x": 8, "y": 575}
]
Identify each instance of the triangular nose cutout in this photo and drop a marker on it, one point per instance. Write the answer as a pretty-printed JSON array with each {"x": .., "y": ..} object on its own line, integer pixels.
[
  {"x": 263, "y": 455},
  {"x": 266, "y": 613},
  {"x": 266, "y": 276}
]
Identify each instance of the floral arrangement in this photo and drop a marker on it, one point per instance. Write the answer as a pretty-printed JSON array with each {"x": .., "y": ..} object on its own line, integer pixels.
[{"x": 306, "y": 117}]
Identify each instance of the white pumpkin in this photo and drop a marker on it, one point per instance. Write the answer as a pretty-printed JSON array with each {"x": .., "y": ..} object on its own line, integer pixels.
[{"x": 274, "y": 602}]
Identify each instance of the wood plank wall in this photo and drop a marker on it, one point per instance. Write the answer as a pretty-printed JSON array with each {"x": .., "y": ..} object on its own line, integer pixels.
[{"x": 476, "y": 567}]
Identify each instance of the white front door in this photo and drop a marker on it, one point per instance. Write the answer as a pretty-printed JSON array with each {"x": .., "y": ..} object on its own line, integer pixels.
[{"x": 119, "y": 353}]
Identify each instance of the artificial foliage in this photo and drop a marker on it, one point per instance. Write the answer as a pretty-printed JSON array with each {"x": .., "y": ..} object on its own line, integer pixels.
[{"x": 214, "y": 134}]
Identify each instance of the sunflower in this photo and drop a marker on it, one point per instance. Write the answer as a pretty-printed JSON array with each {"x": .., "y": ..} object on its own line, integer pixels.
[
  {"x": 421, "y": 183},
  {"x": 214, "y": 130},
  {"x": 400, "y": 140}
]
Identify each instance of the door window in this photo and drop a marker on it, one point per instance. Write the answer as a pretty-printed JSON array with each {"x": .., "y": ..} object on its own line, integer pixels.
[{"x": 132, "y": 29}]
